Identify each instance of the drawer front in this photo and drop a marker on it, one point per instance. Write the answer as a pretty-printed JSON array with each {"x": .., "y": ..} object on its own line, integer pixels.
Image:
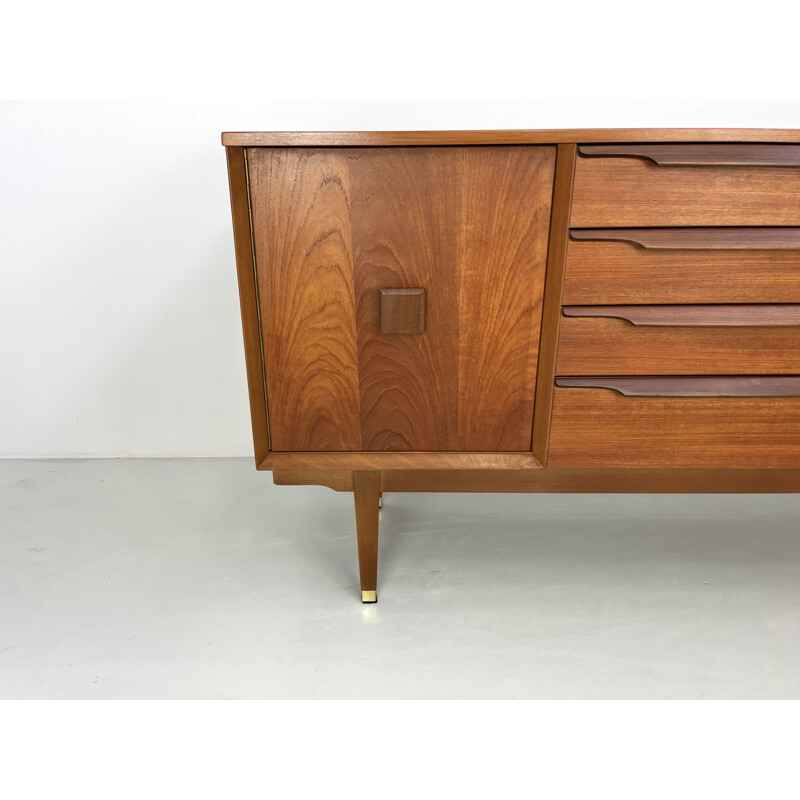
[
  {"x": 679, "y": 340},
  {"x": 686, "y": 185},
  {"x": 716, "y": 265},
  {"x": 603, "y": 428},
  {"x": 449, "y": 364}
]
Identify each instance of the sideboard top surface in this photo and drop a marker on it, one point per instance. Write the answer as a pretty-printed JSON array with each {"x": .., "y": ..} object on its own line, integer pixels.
[{"x": 559, "y": 136}]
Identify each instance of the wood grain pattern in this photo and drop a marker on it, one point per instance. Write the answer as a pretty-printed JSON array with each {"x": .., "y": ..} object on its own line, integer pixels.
[
  {"x": 505, "y": 219},
  {"x": 366, "y": 491},
  {"x": 690, "y": 386},
  {"x": 554, "y": 136},
  {"x": 399, "y": 460},
  {"x": 340, "y": 480},
  {"x": 630, "y": 192},
  {"x": 617, "y": 273},
  {"x": 753, "y": 314},
  {"x": 300, "y": 203},
  {"x": 695, "y": 238},
  {"x": 334, "y": 227},
  {"x": 689, "y": 154},
  {"x": 607, "y": 346},
  {"x": 652, "y": 481},
  {"x": 599, "y": 428},
  {"x": 551, "y": 306},
  {"x": 405, "y": 213},
  {"x": 402, "y": 311},
  {"x": 248, "y": 299},
  {"x": 448, "y": 219},
  {"x": 623, "y": 480}
]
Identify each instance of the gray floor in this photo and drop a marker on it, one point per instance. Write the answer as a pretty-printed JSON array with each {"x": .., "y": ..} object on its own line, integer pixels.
[{"x": 201, "y": 579}]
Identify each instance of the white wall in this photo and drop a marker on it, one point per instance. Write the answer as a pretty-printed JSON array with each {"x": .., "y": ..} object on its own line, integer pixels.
[{"x": 119, "y": 319}]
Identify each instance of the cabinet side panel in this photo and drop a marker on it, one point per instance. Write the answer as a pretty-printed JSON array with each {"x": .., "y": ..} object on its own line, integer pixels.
[
  {"x": 505, "y": 216},
  {"x": 301, "y": 220},
  {"x": 248, "y": 299}
]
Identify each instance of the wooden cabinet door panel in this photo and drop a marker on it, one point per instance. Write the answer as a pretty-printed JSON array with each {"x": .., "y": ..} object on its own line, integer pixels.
[
  {"x": 334, "y": 227},
  {"x": 404, "y": 218},
  {"x": 505, "y": 218},
  {"x": 300, "y": 207}
]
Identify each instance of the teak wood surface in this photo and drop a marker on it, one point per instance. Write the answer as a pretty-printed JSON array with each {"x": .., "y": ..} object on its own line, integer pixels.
[
  {"x": 333, "y": 227},
  {"x": 631, "y": 192},
  {"x": 553, "y": 136},
  {"x": 620, "y": 273},
  {"x": 609, "y": 346},
  {"x": 599, "y": 428},
  {"x": 399, "y": 460},
  {"x": 624, "y": 480}
]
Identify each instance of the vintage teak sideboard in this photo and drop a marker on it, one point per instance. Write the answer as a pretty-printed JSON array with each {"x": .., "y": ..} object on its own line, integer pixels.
[{"x": 520, "y": 311}]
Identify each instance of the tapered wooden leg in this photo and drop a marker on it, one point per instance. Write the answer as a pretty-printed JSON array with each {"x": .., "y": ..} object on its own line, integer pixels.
[{"x": 367, "y": 492}]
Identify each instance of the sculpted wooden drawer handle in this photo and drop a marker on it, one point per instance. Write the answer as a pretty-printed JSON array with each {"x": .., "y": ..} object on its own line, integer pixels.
[
  {"x": 682, "y": 386},
  {"x": 402, "y": 311},
  {"x": 695, "y": 238},
  {"x": 695, "y": 316},
  {"x": 708, "y": 155}
]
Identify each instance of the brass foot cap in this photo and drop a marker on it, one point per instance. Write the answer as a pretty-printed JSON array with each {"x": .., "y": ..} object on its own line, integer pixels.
[
  {"x": 369, "y": 597},
  {"x": 380, "y": 502}
]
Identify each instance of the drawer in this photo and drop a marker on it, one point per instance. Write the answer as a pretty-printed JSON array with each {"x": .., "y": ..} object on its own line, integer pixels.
[
  {"x": 601, "y": 427},
  {"x": 679, "y": 340},
  {"x": 692, "y": 265},
  {"x": 686, "y": 184}
]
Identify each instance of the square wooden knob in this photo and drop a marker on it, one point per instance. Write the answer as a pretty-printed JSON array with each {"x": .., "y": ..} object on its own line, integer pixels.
[{"x": 402, "y": 311}]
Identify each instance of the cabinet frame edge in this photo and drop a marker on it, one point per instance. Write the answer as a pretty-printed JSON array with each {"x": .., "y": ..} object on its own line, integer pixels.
[
  {"x": 571, "y": 480},
  {"x": 521, "y": 136},
  {"x": 560, "y": 210},
  {"x": 399, "y": 460},
  {"x": 238, "y": 180}
]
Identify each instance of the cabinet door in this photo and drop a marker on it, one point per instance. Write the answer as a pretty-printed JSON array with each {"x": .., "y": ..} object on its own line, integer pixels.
[{"x": 333, "y": 227}]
